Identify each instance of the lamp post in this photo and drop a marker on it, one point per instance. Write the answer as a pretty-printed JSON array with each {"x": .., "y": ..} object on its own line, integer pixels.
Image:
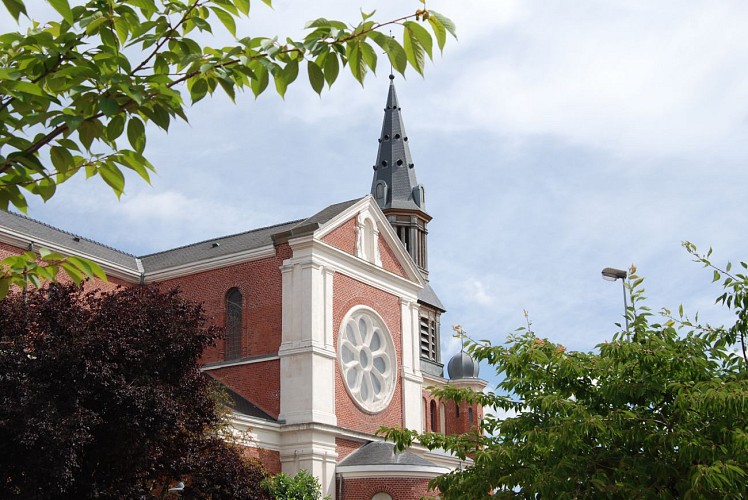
[{"x": 611, "y": 274}]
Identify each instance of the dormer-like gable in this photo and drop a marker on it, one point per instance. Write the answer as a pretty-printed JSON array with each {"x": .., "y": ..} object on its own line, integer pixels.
[{"x": 363, "y": 231}]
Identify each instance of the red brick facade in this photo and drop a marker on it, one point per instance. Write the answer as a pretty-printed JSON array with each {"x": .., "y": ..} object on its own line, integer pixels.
[
  {"x": 256, "y": 373},
  {"x": 346, "y": 447},
  {"x": 397, "y": 487},
  {"x": 389, "y": 261},
  {"x": 343, "y": 237},
  {"x": 258, "y": 382},
  {"x": 260, "y": 284},
  {"x": 347, "y": 294}
]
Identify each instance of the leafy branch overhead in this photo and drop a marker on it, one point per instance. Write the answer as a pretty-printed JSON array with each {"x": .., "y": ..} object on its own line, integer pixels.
[{"x": 77, "y": 94}]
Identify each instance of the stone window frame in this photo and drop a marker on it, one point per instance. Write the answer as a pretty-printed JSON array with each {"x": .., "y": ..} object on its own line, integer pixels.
[{"x": 368, "y": 362}]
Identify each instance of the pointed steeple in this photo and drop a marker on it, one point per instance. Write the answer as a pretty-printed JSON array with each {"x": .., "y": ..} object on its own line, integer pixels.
[
  {"x": 394, "y": 184},
  {"x": 395, "y": 187}
]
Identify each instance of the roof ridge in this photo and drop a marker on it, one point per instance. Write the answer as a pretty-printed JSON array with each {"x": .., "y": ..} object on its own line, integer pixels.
[
  {"x": 50, "y": 226},
  {"x": 221, "y": 238}
]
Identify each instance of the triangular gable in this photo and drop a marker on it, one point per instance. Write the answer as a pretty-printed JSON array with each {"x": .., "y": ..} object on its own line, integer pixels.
[{"x": 351, "y": 231}]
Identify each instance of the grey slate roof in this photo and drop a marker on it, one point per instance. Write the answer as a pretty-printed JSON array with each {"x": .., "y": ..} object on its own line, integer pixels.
[
  {"x": 36, "y": 230},
  {"x": 394, "y": 164},
  {"x": 428, "y": 296},
  {"x": 383, "y": 453},
  {"x": 226, "y": 245},
  {"x": 185, "y": 255}
]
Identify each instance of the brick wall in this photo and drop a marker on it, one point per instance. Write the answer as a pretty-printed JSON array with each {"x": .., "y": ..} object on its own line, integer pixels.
[
  {"x": 260, "y": 284},
  {"x": 399, "y": 488},
  {"x": 258, "y": 382},
  {"x": 345, "y": 447},
  {"x": 347, "y": 293},
  {"x": 270, "y": 459},
  {"x": 462, "y": 424},
  {"x": 389, "y": 261},
  {"x": 343, "y": 237}
]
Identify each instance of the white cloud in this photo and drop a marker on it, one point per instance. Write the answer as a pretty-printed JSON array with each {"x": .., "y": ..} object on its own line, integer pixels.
[{"x": 629, "y": 77}]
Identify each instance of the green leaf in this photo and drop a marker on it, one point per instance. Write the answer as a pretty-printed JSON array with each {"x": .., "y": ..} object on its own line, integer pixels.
[
  {"x": 440, "y": 32},
  {"x": 285, "y": 77},
  {"x": 136, "y": 134},
  {"x": 356, "y": 62},
  {"x": 108, "y": 106},
  {"x": 226, "y": 18},
  {"x": 61, "y": 158},
  {"x": 134, "y": 161},
  {"x": 115, "y": 127},
  {"x": 63, "y": 7},
  {"x": 445, "y": 21},
  {"x": 243, "y": 6},
  {"x": 316, "y": 77},
  {"x": 325, "y": 23},
  {"x": 72, "y": 272},
  {"x": 394, "y": 50},
  {"x": 261, "y": 80},
  {"x": 415, "y": 31},
  {"x": 27, "y": 88},
  {"x": 198, "y": 90},
  {"x": 16, "y": 8},
  {"x": 9, "y": 74},
  {"x": 413, "y": 51},
  {"x": 113, "y": 177},
  {"x": 332, "y": 68},
  {"x": 44, "y": 187},
  {"x": 369, "y": 55}
]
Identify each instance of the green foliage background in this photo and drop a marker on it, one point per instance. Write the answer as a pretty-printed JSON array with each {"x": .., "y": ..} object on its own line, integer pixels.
[{"x": 659, "y": 411}]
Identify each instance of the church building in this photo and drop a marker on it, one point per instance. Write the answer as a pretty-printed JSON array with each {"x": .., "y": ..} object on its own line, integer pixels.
[{"x": 332, "y": 328}]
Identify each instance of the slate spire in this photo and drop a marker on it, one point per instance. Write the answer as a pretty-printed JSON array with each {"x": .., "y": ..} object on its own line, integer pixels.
[
  {"x": 394, "y": 184},
  {"x": 395, "y": 187}
]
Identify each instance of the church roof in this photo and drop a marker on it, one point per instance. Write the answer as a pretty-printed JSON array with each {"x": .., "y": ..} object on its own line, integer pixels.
[
  {"x": 427, "y": 295},
  {"x": 240, "y": 404},
  {"x": 394, "y": 166},
  {"x": 383, "y": 453},
  {"x": 27, "y": 230}
]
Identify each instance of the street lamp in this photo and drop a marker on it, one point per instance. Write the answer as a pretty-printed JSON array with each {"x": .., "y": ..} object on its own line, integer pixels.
[{"x": 611, "y": 274}]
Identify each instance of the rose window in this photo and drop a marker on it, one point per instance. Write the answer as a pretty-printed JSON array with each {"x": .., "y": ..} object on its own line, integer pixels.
[{"x": 367, "y": 360}]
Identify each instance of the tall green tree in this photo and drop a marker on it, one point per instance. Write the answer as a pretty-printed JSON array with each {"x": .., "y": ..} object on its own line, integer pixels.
[
  {"x": 659, "y": 411},
  {"x": 77, "y": 92},
  {"x": 101, "y": 396}
]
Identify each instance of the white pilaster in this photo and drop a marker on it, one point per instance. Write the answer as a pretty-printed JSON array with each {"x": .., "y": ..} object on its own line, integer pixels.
[
  {"x": 306, "y": 353},
  {"x": 311, "y": 449},
  {"x": 412, "y": 380}
]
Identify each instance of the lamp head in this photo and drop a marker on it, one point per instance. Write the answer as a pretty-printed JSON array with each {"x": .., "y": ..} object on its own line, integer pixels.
[{"x": 612, "y": 274}]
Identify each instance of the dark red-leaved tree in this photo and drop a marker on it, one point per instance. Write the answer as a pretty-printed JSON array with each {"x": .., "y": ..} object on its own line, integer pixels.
[{"x": 101, "y": 396}]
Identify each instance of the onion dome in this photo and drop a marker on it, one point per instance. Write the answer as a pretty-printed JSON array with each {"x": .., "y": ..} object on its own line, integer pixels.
[{"x": 462, "y": 366}]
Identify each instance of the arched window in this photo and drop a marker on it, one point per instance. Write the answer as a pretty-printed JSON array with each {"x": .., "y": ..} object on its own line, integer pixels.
[
  {"x": 234, "y": 316},
  {"x": 367, "y": 237},
  {"x": 369, "y": 240},
  {"x": 432, "y": 411},
  {"x": 470, "y": 415},
  {"x": 457, "y": 410}
]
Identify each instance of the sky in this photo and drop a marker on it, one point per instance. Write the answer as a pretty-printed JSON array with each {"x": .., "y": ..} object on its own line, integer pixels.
[{"x": 553, "y": 138}]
